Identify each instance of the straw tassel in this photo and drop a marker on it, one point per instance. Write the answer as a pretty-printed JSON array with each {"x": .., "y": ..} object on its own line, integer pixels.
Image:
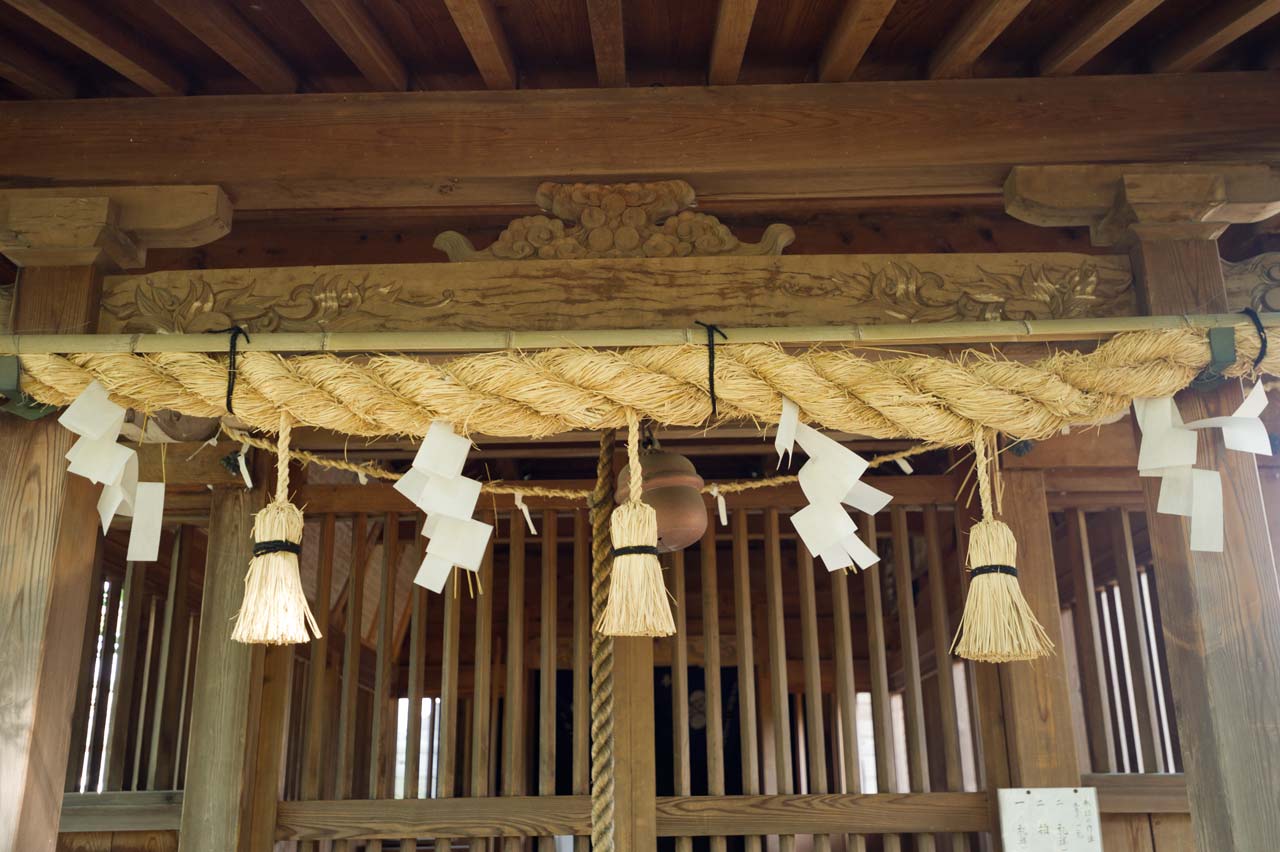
[
  {"x": 998, "y": 625},
  {"x": 637, "y": 604},
  {"x": 275, "y": 610}
]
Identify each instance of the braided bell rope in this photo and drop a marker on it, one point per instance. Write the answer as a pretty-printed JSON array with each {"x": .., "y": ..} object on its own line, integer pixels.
[
  {"x": 514, "y": 394},
  {"x": 601, "y": 653}
]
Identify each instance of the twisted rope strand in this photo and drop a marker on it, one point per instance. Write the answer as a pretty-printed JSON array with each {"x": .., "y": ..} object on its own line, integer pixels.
[
  {"x": 601, "y": 653},
  {"x": 511, "y": 394}
]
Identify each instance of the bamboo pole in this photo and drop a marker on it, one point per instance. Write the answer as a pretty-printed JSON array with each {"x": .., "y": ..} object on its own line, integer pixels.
[{"x": 898, "y": 334}]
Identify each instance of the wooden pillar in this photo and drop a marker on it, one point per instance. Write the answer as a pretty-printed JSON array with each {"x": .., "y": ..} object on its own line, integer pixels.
[
  {"x": 48, "y": 533},
  {"x": 1220, "y": 612},
  {"x": 635, "y": 774},
  {"x": 214, "y": 806},
  {"x": 1037, "y": 706}
]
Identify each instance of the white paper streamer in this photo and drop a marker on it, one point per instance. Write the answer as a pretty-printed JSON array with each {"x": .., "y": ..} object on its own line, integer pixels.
[
  {"x": 1242, "y": 431},
  {"x": 461, "y": 542},
  {"x": 148, "y": 513},
  {"x": 785, "y": 439},
  {"x": 722, "y": 510},
  {"x": 443, "y": 452},
  {"x": 92, "y": 415},
  {"x": 455, "y": 498},
  {"x": 524, "y": 509},
  {"x": 244, "y": 466},
  {"x": 433, "y": 573}
]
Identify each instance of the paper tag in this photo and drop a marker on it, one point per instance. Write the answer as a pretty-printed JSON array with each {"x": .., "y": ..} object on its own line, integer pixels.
[
  {"x": 835, "y": 558},
  {"x": 785, "y": 439},
  {"x": 824, "y": 481},
  {"x": 904, "y": 466},
  {"x": 99, "y": 460},
  {"x": 1176, "y": 495},
  {"x": 1242, "y": 431},
  {"x": 823, "y": 525},
  {"x": 1165, "y": 443},
  {"x": 244, "y": 466},
  {"x": 1206, "y": 511},
  {"x": 429, "y": 526},
  {"x": 412, "y": 484},
  {"x": 361, "y": 477},
  {"x": 460, "y": 541},
  {"x": 443, "y": 452},
  {"x": 722, "y": 509},
  {"x": 863, "y": 555},
  {"x": 92, "y": 414},
  {"x": 148, "y": 513},
  {"x": 455, "y": 497},
  {"x": 108, "y": 504},
  {"x": 433, "y": 573},
  {"x": 866, "y": 498},
  {"x": 524, "y": 509}
]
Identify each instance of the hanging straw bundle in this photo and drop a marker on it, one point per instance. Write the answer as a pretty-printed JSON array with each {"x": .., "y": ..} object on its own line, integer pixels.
[
  {"x": 638, "y": 604},
  {"x": 998, "y": 625},
  {"x": 275, "y": 610}
]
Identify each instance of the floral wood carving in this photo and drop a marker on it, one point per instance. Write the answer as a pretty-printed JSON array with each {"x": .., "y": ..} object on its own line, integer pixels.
[
  {"x": 1254, "y": 282},
  {"x": 619, "y": 293},
  {"x": 615, "y": 220}
]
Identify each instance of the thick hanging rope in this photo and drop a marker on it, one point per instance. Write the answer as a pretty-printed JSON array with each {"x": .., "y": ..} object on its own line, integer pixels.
[
  {"x": 601, "y": 653},
  {"x": 512, "y": 394}
]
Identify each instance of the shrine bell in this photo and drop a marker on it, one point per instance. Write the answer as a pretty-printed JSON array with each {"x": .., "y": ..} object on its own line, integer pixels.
[{"x": 672, "y": 487}]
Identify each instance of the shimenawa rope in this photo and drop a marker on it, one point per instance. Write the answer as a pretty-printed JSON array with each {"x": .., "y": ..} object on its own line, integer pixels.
[{"x": 601, "y": 653}]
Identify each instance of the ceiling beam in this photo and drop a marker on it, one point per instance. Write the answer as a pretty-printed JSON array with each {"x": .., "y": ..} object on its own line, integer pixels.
[
  {"x": 226, "y": 33},
  {"x": 973, "y": 34},
  {"x": 32, "y": 72},
  {"x": 859, "y": 22},
  {"x": 478, "y": 23},
  {"x": 1104, "y": 24},
  {"x": 608, "y": 41},
  {"x": 352, "y": 29},
  {"x": 729, "y": 44},
  {"x": 1192, "y": 48},
  {"x": 452, "y": 150},
  {"x": 106, "y": 41}
]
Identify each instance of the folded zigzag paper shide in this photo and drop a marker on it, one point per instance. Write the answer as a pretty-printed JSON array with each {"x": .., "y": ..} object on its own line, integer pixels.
[
  {"x": 435, "y": 484},
  {"x": 99, "y": 457}
]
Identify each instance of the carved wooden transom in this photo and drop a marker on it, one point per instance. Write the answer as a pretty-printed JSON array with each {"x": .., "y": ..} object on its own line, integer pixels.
[{"x": 615, "y": 220}]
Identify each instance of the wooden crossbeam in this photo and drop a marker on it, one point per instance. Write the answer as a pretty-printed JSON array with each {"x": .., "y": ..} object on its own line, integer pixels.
[
  {"x": 980, "y": 26},
  {"x": 472, "y": 149},
  {"x": 1100, "y": 27},
  {"x": 32, "y": 72},
  {"x": 477, "y": 21},
  {"x": 859, "y": 22},
  {"x": 349, "y": 24},
  {"x": 224, "y": 31},
  {"x": 729, "y": 43},
  {"x": 1193, "y": 48},
  {"x": 608, "y": 41},
  {"x": 107, "y": 41}
]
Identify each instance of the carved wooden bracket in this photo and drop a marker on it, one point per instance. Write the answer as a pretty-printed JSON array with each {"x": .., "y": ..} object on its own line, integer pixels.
[
  {"x": 615, "y": 220},
  {"x": 1120, "y": 203},
  {"x": 110, "y": 226}
]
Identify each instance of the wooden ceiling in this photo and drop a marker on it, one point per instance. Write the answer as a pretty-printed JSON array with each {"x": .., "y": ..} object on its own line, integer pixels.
[{"x": 107, "y": 48}]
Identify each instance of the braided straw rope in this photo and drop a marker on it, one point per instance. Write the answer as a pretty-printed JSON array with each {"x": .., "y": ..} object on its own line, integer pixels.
[
  {"x": 512, "y": 394},
  {"x": 601, "y": 654}
]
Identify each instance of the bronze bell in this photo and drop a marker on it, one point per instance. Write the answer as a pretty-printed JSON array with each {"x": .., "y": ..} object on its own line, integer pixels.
[{"x": 672, "y": 487}]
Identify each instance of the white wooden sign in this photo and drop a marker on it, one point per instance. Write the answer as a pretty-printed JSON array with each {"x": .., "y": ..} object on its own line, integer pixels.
[{"x": 1050, "y": 819}]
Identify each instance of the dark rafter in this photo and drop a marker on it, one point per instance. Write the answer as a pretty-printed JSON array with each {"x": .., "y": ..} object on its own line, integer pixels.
[
  {"x": 1191, "y": 49},
  {"x": 226, "y": 33},
  {"x": 106, "y": 41},
  {"x": 33, "y": 73},
  {"x": 352, "y": 29},
  {"x": 478, "y": 23},
  {"x": 729, "y": 45},
  {"x": 859, "y": 22},
  {"x": 980, "y": 26},
  {"x": 608, "y": 41},
  {"x": 1103, "y": 25}
]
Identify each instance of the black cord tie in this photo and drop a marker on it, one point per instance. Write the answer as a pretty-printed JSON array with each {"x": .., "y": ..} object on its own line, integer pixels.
[
  {"x": 712, "y": 331},
  {"x": 236, "y": 332},
  {"x": 994, "y": 569},
  {"x": 637, "y": 548},
  {"x": 262, "y": 548},
  {"x": 1262, "y": 335}
]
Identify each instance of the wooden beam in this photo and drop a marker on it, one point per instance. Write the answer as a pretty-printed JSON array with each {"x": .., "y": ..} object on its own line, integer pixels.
[
  {"x": 49, "y": 538},
  {"x": 515, "y": 816},
  {"x": 1103, "y": 24},
  {"x": 608, "y": 41},
  {"x": 226, "y": 33},
  {"x": 1037, "y": 708},
  {"x": 859, "y": 22},
  {"x": 1193, "y": 48},
  {"x": 796, "y": 291},
  {"x": 1147, "y": 793},
  {"x": 477, "y": 21},
  {"x": 135, "y": 810},
  {"x": 1220, "y": 612},
  {"x": 973, "y": 34},
  {"x": 107, "y": 41},
  {"x": 32, "y": 72},
  {"x": 729, "y": 42},
  {"x": 349, "y": 24},
  {"x": 947, "y": 137},
  {"x": 215, "y": 803}
]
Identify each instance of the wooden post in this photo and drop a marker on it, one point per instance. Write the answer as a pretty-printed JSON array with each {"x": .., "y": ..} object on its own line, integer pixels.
[
  {"x": 214, "y": 805},
  {"x": 635, "y": 776},
  {"x": 1220, "y": 612}
]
